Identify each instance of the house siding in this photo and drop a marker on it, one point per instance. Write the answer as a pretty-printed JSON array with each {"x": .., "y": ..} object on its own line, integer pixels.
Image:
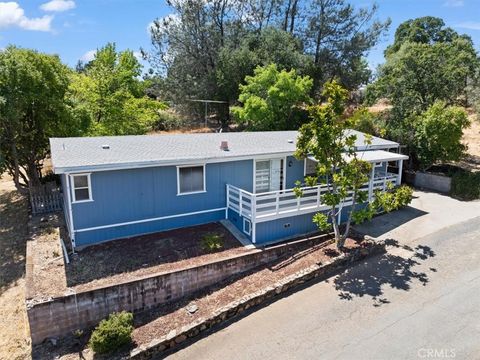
[
  {"x": 294, "y": 172},
  {"x": 138, "y": 194},
  {"x": 290, "y": 227},
  {"x": 237, "y": 220}
]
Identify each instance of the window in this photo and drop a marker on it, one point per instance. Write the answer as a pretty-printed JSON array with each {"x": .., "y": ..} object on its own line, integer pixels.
[
  {"x": 310, "y": 167},
  {"x": 81, "y": 189},
  {"x": 191, "y": 179}
]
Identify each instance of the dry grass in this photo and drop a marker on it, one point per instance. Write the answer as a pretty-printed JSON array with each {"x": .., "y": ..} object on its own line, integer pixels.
[
  {"x": 183, "y": 131},
  {"x": 471, "y": 136},
  {"x": 380, "y": 106},
  {"x": 14, "y": 336}
]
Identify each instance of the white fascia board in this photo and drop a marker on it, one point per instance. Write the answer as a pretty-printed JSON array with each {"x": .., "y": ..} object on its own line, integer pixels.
[{"x": 179, "y": 162}]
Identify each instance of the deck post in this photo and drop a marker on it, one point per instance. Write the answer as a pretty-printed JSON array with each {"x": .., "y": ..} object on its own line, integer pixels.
[
  {"x": 370, "y": 184},
  {"x": 228, "y": 201},
  {"x": 277, "y": 203},
  {"x": 399, "y": 176},
  {"x": 318, "y": 196}
]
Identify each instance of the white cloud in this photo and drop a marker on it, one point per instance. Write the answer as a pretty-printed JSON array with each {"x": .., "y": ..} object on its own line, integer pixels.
[
  {"x": 12, "y": 15},
  {"x": 58, "y": 5},
  {"x": 453, "y": 3},
  {"x": 88, "y": 56},
  {"x": 472, "y": 25}
]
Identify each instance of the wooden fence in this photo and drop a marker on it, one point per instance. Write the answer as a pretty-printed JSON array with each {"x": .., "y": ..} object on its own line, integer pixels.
[{"x": 46, "y": 198}]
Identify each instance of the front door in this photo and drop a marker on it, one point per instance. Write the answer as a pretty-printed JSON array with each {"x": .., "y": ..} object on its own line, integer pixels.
[{"x": 268, "y": 175}]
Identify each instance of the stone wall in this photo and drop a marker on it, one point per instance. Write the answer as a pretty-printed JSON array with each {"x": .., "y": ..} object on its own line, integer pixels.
[
  {"x": 56, "y": 317},
  {"x": 236, "y": 308}
]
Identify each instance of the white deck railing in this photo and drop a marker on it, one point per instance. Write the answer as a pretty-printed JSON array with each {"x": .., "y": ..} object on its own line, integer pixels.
[{"x": 274, "y": 204}]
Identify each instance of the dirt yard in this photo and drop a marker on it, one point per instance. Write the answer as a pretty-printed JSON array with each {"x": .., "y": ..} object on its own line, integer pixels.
[
  {"x": 471, "y": 137},
  {"x": 91, "y": 267},
  {"x": 161, "y": 321},
  {"x": 14, "y": 338}
]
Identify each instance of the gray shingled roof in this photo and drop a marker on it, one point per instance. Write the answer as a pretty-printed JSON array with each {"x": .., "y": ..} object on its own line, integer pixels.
[{"x": 87, "y": 153}]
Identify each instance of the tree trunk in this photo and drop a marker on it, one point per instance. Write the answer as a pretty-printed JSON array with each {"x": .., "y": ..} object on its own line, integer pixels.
[
  {"x": 287, "y": 12},
  {"x": 293, "y": 13},
  {"x": 16, "y": 169},
  {"x": 349, "y": 220},
  {"x": 336, "y": 228}
]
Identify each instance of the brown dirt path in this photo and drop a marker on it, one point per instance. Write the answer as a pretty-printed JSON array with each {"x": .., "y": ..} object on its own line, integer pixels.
[{"x": 14, "y": 338}]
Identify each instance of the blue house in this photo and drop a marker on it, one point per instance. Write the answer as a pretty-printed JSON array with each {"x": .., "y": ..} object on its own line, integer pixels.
[{"x": 124, "y": 186}]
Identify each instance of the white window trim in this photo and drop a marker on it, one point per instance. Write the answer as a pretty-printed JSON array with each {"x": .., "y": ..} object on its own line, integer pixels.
[
  {"x": 284, "y": 179},
  {"x": 245, "y": 221},
  {"x": 378, "y": 164},
  {"x": 191, "y": 192},
  {"x": 72, "y": 182}
]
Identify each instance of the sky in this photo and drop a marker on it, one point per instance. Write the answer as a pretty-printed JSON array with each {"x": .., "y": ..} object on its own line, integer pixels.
[{"x": 73, "y": 29}]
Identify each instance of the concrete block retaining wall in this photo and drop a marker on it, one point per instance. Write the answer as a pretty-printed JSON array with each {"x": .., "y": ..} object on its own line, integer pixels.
[
  {"x": 435, "y": 182},
  {"x": 56, "y": 317},
  {"x": 236, "y": 308}
]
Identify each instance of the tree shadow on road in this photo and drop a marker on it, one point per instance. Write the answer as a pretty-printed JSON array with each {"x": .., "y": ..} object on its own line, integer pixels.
[{"x": 370, "y": 277}]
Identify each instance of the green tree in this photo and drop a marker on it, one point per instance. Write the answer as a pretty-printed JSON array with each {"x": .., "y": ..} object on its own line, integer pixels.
[
  {"x": 427, "y": 30},
  {"x": 438, "y": 134},
  {"x": 418, "y": 74},
  {"x": 110, "y": 97},
  {"x": 273, "y": 99},
  {"x": 271, "y": 46},
  {"x": 338, "y": 36},
  {"x": 427, "y": 62},
  {"x": 327, "y": 138},
  {"x": 365, "y": 121},
  {"x": 34, "y": 107},
  {"x": 204, "y": 50}
]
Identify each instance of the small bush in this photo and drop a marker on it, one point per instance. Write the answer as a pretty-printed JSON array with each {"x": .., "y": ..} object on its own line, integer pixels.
[
  {"x": 212, "y": 242},
  {"x": 466, "y": 185},
  {"x": 112, "y": 333}
]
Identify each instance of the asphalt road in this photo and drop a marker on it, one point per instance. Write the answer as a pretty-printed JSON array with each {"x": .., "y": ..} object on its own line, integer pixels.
[{"x": 421, "y": 300}]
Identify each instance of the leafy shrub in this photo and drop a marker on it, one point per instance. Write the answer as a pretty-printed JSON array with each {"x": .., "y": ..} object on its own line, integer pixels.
[
  {"x": 368, "y": 122},
  {"x": 112, "y": 333},
  {"x": 438, "y": 134},
  {"x": 466, "y": 185},
  {"x": 394, "y": 198},
  {"x": 390, "y": 200},
  {"x": 212, "y": 242}
]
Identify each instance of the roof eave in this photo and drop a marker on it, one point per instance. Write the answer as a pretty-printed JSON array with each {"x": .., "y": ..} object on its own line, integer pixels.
[{"x": 174, "y": 162}]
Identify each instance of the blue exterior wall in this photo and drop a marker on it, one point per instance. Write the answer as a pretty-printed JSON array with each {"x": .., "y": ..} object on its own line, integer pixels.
[
  {"x": 138, "y": 194},
  {"x": 237, "y": 220},
  {"x": 145, "y": 193},
  {"x": 276, "y": 230},
  {"x": 294, "y": 172}
]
